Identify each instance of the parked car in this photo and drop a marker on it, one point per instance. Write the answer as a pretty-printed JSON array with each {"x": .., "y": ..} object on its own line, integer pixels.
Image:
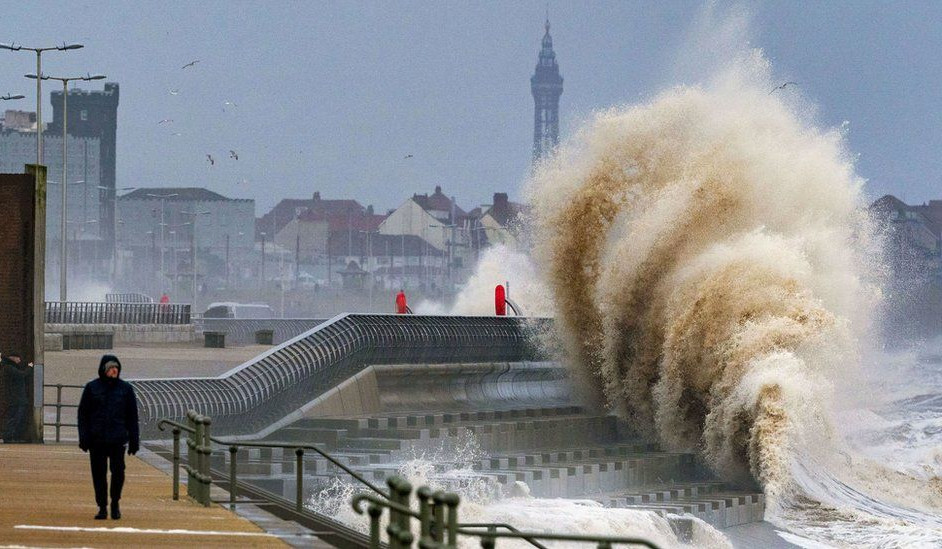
[{"x": 231, "y": 309}]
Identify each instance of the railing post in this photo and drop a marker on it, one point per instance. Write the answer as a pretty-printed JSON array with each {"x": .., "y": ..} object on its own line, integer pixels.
[
  {"x": 233, "y": 450},
  {"x": 58, "y": 409},
  {"x": 207, "y": 480},
  {"x": 425, "y": 517},
  {"x": 400, "y": 535},
  {"x": 452, "y": 500},
  {"x": 176, "y": 463},
  {"x": 375, "y": 512},
  {"x": 438, "y": 510},
  {"x": 299, "y": 472},
  {"x": 191, "y": 455}
]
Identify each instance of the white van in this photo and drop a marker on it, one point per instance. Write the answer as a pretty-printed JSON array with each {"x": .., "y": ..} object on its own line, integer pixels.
[{"x": 230, "y": 309}]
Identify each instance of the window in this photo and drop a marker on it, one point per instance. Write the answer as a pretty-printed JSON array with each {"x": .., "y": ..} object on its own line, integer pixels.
[{"x": 84, "y": 114}]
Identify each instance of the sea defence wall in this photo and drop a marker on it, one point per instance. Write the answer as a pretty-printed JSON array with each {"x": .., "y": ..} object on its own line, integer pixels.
[{"x": 277, "y": 387}]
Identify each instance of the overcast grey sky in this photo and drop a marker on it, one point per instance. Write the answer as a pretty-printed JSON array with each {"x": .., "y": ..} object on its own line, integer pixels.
[{"x": 331, "y": 96}]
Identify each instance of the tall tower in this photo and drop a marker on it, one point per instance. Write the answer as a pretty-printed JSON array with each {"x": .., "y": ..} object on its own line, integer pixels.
[
  {"x": 95, "y": 114},
  {"x": 546, "y": 84}
]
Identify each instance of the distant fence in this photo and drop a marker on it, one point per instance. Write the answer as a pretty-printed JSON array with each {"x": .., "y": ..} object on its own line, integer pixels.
[{"x": 97, "y": 312}]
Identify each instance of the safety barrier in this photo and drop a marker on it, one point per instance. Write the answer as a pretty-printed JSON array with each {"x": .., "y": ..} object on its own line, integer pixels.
[
  {"x": 265, "y": 391},
  {"x": 438, "y": 512},
  {"x": 59, "y": 405},
  {"x": 98, "y": 312},
  {"x": 439, "y": 526}
]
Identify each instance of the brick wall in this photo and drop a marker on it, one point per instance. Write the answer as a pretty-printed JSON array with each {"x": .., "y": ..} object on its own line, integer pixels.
[{"x": 17, "y": 213}]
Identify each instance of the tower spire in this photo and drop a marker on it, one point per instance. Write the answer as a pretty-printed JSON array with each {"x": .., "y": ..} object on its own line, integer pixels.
[{"x": 546, "y": 85}]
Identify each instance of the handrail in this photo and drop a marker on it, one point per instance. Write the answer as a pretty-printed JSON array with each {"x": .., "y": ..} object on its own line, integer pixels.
[
  {"x": 58, "y": 405},
  {"x": 433, "y": 522},
  {"x": 200, "y": 473}
]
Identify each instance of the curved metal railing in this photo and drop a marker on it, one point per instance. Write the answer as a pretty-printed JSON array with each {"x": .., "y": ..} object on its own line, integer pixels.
[{"x": 266, "y": 389}]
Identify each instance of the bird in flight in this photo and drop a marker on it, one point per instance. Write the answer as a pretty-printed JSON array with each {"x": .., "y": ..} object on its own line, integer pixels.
[
  {"x": 230, "y": 104},
  {"x": 166, "y": 121},
  {"x": 174, "y": 92},
  {"x": 190, "y": 64},
  {"x": 211, "y": 161},
  {"x": 782, "y": 87},
  {"x": 176, "y": 133},
  {"x": 244, "y": 180},
  {"x": 233, "y": 155},
  {"x": 407, "y": 156}
]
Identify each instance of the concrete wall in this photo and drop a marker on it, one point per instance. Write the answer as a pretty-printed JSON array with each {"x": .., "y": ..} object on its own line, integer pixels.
[
  {"x": 129, "y": 333},
  {"x": 416, "y": 387}
]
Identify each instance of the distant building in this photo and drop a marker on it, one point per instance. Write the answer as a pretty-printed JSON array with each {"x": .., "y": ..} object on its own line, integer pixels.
[
  {"x": 88, "y": 251},
  {"x": 92, "y": 115},
  {"x": 501, "y": 221},
  {"x": 438, "y": 220},
  {"x": 913, "y": 235},
  {"x": 289, "y": 209},
  {"x": 19, "y": 121},
  {"x": 156, "y": 230},
  {"x": 546, "y": 85}
]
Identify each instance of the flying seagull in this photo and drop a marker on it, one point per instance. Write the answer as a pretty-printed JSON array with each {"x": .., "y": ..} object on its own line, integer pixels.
[
  {"x": 211, "y": 161},
  {"x": 174, "y": 92},
  {"x": 407, "y": 156},
  {"x": 166, "y": 121},
  {"x": 190, "y": 64},
  {"x": 233, "y": 155},
  {"x": 782, "y": 87}
]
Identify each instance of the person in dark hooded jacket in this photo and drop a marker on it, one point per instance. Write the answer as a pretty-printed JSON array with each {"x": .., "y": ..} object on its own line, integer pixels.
[
  {"x": 107, "y": 421},
  {"x": 15, "y": 381}
]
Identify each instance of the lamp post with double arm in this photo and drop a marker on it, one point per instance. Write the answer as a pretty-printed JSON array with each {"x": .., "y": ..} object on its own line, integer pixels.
[
  {"x": 39, "y": 88},
  {"x": 63, "y": 257}
]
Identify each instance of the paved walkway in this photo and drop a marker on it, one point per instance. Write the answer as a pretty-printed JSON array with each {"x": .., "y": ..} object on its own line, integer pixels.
[{"x": 46, "y": 499}]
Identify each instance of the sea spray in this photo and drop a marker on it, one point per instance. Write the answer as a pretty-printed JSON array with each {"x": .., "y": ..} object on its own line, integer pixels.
[{"x": 715, "y": 277}]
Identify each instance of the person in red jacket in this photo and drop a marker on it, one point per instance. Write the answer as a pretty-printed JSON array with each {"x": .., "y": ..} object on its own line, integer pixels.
[{"x": 401, "y": 306}]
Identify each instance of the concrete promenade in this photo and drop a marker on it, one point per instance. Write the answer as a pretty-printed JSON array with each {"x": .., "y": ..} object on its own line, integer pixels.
[{"x": 46, "y": 500}]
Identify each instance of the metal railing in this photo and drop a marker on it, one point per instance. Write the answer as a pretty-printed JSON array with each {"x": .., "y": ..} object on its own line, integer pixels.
[
  {"x": 200, "y": 441},
  {"x": 439, "y": 526},
  {"x": 58, "y": 405},
  {"x": 265, "y": 392},
  {"x": 99, "y": 312},
  {"x": 438, "y": 512}
]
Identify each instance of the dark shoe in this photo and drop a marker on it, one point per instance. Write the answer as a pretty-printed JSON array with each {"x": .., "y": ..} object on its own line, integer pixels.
[
  {"x": 115, "y": 510},
  {"x": 102, "y": 513}
]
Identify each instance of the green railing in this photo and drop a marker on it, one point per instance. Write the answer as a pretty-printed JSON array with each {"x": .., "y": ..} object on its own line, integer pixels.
[
  {"x": 439, "y": 527},
  {"x": 58, "y": 405},
  {"x": 437, "y": 515}
]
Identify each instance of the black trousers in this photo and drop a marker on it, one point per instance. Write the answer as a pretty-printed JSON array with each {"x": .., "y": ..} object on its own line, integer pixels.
[
  {"x": 104, "y": 457},
  {"x": 15, "y": 428}
]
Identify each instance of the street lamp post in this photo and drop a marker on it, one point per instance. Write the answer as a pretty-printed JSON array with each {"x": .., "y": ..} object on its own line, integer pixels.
[
  {"x": 194, "y": 245},
  {"x": 63, "y": 257},
  {"x": 114, "y": 241},
  {"x": 39, "y": 89},
  {"x": 163, "y": 224}
]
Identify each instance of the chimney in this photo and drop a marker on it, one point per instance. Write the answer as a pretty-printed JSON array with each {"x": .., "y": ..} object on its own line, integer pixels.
[
  {"x": 369, "y": 210},
  {"x": 500, "y": 200},
  {"x": 438, "y": 189},
  {"x": 317, "y": 196}
]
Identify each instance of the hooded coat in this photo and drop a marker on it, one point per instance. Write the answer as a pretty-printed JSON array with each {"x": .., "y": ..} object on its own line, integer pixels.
[
  {"x": 15, "y": 381},
  {"x": 107, "y": 413}
]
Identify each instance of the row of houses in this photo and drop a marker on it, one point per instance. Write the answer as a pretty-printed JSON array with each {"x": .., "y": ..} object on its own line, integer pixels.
[{"x": 429, "y": 242}]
